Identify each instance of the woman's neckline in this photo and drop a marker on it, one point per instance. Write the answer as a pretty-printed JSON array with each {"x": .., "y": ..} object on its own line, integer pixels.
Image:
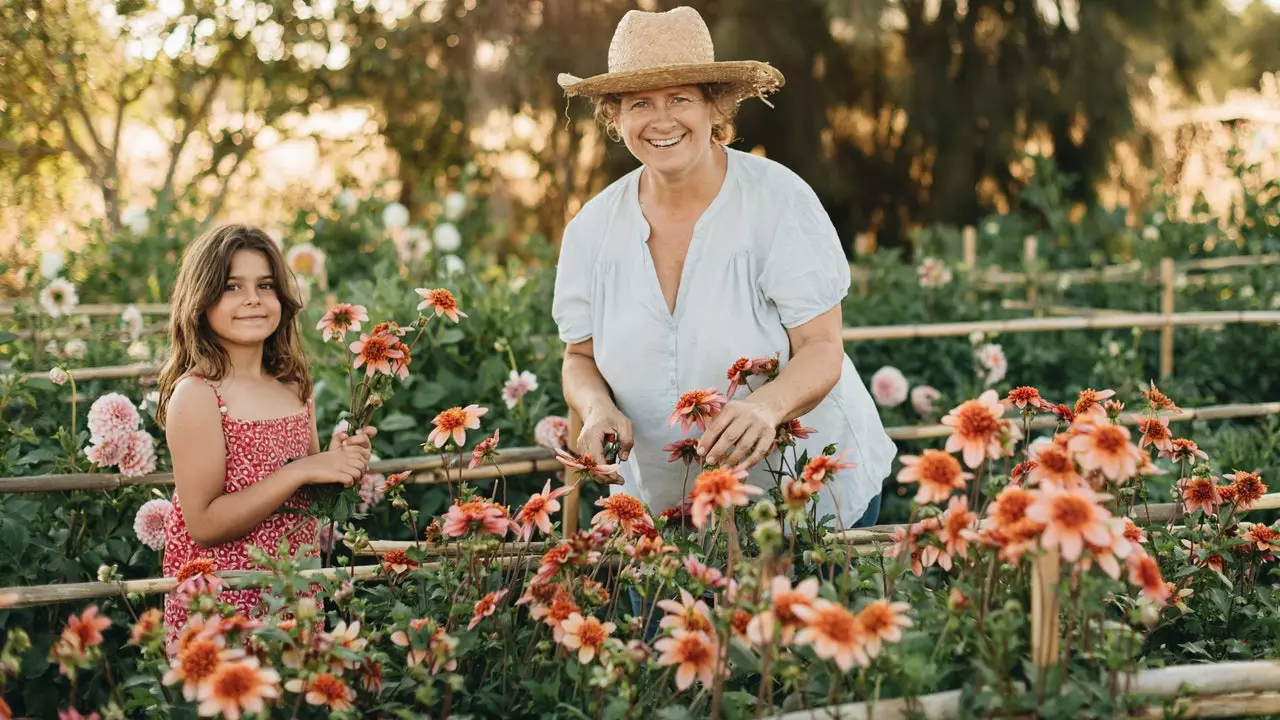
[{"x": 711, "y": 209}]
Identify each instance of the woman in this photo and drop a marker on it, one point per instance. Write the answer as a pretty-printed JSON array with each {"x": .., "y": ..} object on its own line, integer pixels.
[{"x": 701, "y": 256}]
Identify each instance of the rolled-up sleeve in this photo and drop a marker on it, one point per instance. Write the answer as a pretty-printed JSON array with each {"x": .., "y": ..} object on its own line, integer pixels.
[
  {"x": 575, "y": 277},
  {"x": 805, "y": 273}
]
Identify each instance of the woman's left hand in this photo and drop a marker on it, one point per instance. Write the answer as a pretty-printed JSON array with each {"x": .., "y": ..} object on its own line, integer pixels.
[
  {"x": 362, "y": 438},
  {"x": 747, "y": 427}
]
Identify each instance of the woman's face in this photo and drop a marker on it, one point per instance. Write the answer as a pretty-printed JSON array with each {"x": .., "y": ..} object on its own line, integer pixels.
[
  {"x": 669, "y": 130},
  {"x": 249, "y": 310}
]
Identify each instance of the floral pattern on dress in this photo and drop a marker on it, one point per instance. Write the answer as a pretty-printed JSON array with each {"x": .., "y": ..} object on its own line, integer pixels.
[{"x": 254, "y": 450}]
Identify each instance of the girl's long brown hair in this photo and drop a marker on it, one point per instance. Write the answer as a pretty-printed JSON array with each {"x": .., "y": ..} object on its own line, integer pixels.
[{"x": 193, "y": 346}]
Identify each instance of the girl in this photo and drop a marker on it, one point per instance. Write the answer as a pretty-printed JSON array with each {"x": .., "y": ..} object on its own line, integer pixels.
[{"x": 236, "y": 406}]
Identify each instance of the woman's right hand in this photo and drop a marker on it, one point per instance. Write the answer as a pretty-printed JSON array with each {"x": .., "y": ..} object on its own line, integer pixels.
[
  {"x": 596, "y": 424},
  {"x": 344, "y": 465}
]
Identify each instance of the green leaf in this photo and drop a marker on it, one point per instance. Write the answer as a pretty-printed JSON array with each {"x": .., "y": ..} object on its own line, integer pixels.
[
  {"x": 7, "y": 337},
  {"x": 451, "y": 336},
  {"x": 396, "y": 421}
]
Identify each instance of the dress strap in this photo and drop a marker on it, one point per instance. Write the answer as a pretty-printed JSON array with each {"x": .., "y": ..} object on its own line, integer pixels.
[{"x": 222, "y": 406}]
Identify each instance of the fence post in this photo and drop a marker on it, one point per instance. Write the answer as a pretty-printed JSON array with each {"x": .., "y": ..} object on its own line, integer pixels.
[
  {"x": 969, "y": 238},
  {"x": 1046, "y": 631},
  {"x": 1029, "y": 252},
  {"x": 569, "y": 525},
  {"x": 864, "y": 244},
  {"x": 1166, "y": 309}
]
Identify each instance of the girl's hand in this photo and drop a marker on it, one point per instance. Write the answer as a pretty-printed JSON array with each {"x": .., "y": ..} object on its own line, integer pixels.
[
  {"x": 344, "y": 465},
  {"x": 361, "y": 438}
]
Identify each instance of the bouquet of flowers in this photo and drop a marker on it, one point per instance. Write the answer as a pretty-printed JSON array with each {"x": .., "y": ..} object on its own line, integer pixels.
[{"x": 374, "y": 362}]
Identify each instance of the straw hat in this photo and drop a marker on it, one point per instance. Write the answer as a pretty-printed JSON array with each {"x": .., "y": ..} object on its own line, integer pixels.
[{"x": 657, "y": 50}]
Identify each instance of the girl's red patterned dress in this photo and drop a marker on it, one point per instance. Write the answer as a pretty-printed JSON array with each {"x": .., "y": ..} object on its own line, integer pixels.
[{"x": 255, "y": 449}]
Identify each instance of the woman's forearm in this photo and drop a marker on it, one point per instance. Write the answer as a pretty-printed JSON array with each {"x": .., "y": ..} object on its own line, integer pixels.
[
  {"x": 585, "y": 389},
  {"x": 802, "y": 384},
  {"x": 231, "y": 516}
]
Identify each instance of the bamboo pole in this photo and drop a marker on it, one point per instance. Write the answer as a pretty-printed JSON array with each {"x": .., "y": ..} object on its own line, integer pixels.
[
  {"x": 427, "y": 470},
  {"x": 1012, "y": 304},
  {"x": 377, "y": 548},
  {"x": 115, "y": 372},
  {"x": 1210, "y": 689},
  {"x": 1016, "y": 325},
  {"x": 1100, "y": 320},
  {"x": 969, "y": 247},
  {"x": 91, "y": 309},
  {"x": 33, "y": 595},
  {"x": 1166, "y": 309},
  {"x": 569, "y": 502},
  {"x": 1029, "y": 253},
  {"x": 1127, "y": 272}
]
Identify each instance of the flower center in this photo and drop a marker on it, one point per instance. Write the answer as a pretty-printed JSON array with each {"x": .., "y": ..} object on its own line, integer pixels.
[
  {"x": 330, "y": 687},
  {"x": 837, "y": 624},
  {"x": 1055, "y": 461},
  {"x": 1155, "y": 429},
  {"x": 939, "y": 468},
  {"x": 235, "y": 681},
  {"x": 975, "y": 420},
  {"x": 591, "y": 633},
  {"x": 375, "y": 350},
  {"x": 442, "y": 299},
  {"x": 452, "y": 419},
  {"x": 1011, "y": 506},
  {"x": 199, "y": 566},
  {"x": 1088, "y": 398},
  {"x": 536, "y": 505},
  {"x": 876, "y": 618},
  {"x": 625, "y": 507},
  {"x": 1109, "y": 439},
  {"x": 693, "y": 650},
  {"x": 1072, "y": 512}
]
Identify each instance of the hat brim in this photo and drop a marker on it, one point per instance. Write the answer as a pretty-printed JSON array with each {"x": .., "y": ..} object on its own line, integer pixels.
[{"x": 747, "y": 78}]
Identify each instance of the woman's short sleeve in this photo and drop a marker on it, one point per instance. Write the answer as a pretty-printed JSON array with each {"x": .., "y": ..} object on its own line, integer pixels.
[
  {"x": 805, "y": 273},
  {"x": 575, "y": 277}
]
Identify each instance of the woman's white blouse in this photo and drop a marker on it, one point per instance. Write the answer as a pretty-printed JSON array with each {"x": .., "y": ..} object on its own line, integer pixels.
[{"x": 764, "y": 258}]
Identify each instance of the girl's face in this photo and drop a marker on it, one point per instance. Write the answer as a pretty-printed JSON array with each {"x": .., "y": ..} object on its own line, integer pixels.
[
  {"x": 669, "y": 130},
  {"x": 248, "y": 312}
]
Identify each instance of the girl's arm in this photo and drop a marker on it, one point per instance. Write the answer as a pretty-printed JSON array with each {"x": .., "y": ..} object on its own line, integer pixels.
[{"x": 197, "y": 446}]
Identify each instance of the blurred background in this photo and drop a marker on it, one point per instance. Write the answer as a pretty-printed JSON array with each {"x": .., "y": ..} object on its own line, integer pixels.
[{"x": 903, "y": 114}]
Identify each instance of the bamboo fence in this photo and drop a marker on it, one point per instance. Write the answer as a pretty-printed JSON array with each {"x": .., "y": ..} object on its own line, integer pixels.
[
  {"x": 426, "y": 469},
  {"x": 1093, "y": 320},
  {"x": 995, "y": 276}
]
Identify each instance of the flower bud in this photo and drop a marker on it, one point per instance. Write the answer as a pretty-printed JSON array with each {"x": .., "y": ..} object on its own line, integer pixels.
[
  {"x": 59, "y": 376},
  {"x": 306, "y": 608},
  {"x": 1150, "y": 615}
]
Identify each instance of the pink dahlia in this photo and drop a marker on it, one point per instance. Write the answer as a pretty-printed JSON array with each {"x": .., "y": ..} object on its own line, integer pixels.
[
  {"x": 112, "y": 414},
  {"x": 552, "y": 432},
  {"x": 139, "y": 456},
  {"x": 148, "y": 524}
]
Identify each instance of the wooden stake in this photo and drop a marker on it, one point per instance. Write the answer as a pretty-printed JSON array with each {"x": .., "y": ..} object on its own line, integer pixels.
[
  {"x": 1046, "y": 632},
  {"x": 569, "y": 503},
  {"x": 1029, "y": 261},
  {"x": 969, "y": 241},
  {"x": 1166, "y": 309}
]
